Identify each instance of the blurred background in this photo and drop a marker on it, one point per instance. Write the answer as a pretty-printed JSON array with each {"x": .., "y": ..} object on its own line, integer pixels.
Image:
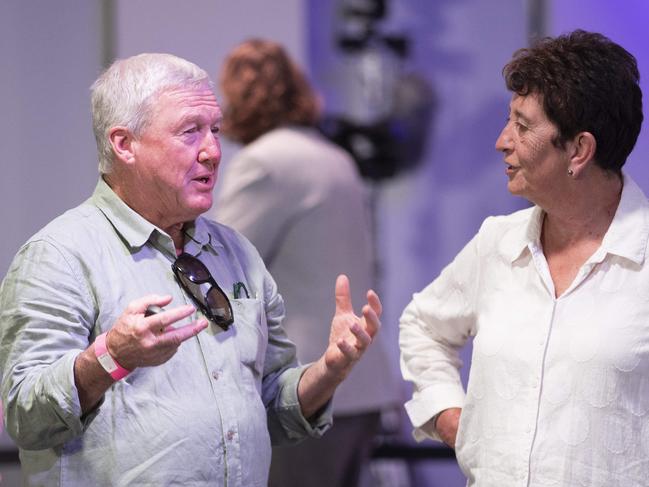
[{"x": 413, "y": 88}]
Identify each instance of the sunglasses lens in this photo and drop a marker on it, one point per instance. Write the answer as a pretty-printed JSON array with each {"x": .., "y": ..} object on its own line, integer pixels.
[
  {"x": 219, "y": 305},
  {"x": 193, "y": 288},
  {"x": 193, "y": 268},
  {"x": 191, "y": 273}
]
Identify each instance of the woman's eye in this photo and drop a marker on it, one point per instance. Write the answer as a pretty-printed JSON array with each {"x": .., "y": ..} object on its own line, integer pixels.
[
  {"x": 191, "y": 130},
  {"x": 521, "y": 127},
  {"x": 216, "y": 130}
]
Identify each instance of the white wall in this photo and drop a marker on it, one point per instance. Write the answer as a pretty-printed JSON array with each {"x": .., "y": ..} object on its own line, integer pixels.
[
  {"x": 203, "y": 31},
  {"x": 49, "y": 56}
]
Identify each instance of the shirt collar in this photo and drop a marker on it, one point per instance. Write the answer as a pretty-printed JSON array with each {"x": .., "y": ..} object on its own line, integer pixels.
[
  {"x": 523, "y": 236},
  {"x": 133, "y": 228},
  {"x": 137, "y": 231},
  {"x": 626, "y": 237},
  {"x": 198, "y": 236}
]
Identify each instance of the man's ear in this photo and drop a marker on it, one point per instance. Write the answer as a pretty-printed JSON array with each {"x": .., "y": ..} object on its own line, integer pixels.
[
  {"x": 582, "y": 152},
  {"x": 121, "y": 139}
]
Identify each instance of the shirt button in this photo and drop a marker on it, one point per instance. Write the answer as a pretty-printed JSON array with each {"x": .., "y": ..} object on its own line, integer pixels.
[
  {"x": 230, "y": 435},
  {"x": 215, "y": 374}
]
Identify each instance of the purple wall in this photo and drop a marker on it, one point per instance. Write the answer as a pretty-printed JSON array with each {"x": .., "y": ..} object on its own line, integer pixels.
[{"x": 424, "y": 217}]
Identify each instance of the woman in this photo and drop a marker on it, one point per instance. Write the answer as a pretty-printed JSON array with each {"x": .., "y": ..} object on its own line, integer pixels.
[{"x": 555, "y": 296}]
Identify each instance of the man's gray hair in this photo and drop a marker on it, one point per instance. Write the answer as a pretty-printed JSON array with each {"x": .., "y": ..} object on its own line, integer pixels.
[{"x": 126, "y": 93}]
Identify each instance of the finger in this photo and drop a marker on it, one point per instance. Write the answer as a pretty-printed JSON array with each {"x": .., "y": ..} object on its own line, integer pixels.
[
  {"x": 178, "y": 335},
  {"x": 375, "y": 302},
  {"x": 349, "y": 351},
  {"x": 371, "y": 320},
  {"x": 160, "y": 321},
  {"x": 363, "y": 338},
  {"x": 139, "y": 305},
  {"x": 343, "y": 297}
]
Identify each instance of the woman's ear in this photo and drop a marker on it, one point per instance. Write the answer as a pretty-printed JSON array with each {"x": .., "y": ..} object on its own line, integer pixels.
[
  {"x": 582, "y": 152},
  {"x": 121, "y": 139}
]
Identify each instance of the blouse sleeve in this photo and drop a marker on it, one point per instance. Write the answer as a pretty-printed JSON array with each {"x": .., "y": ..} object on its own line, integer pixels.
[{"x": 433, "y": 328}]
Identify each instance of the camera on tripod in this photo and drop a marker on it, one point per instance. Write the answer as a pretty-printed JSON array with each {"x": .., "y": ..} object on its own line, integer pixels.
[{"x": 387, "y": 112}]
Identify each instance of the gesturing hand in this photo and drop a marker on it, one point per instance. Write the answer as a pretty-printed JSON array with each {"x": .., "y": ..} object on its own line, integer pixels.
[
  {"x": 350, "y": 334},
  {"x": 136, "y": 340}
]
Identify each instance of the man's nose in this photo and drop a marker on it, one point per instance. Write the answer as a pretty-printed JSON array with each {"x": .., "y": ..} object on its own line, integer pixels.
[{"x": 210, "y": 149}]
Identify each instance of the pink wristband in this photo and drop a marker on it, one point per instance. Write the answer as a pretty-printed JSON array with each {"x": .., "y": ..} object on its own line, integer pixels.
[{"x": 109, "y": 364}]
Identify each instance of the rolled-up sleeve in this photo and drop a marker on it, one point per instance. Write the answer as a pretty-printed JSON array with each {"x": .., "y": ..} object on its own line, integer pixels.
[{"x": 433, "y": 328}]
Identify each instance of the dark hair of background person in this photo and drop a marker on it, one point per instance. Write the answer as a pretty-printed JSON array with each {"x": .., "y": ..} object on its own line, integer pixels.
[
  {"x": 587, "y": 83},
  {"x": 263, "y": 89}
]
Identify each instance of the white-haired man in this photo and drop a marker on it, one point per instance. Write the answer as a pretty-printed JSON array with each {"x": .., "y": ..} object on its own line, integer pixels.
[{"x": 141, "y": 344}]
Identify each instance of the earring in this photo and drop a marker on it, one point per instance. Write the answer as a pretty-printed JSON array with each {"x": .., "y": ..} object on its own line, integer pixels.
[{"x": 570, "y": 172}]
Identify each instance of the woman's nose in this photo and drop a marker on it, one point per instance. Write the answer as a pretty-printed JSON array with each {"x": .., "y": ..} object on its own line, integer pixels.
[{"x": 504, "y": 140}]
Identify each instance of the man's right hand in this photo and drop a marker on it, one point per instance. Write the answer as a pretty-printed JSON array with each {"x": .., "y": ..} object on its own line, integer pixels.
[
  {"x": 139, "y": 341},
  {"x": 134, "y": 341}
]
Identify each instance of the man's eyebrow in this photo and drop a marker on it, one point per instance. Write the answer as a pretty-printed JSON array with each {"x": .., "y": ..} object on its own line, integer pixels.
[
  {"x": 185, "y": 119},
  {"x": 194, "y": 118}
]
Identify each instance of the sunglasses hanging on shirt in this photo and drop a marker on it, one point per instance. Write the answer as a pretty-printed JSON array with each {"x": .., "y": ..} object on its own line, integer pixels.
[{"x": 196, "y": 280}]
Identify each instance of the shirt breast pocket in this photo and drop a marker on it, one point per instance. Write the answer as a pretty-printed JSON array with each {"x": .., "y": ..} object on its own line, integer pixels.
[{"x": 251, "y": 332}]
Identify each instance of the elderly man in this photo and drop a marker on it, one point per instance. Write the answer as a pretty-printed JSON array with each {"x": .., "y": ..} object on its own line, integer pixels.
[{"x": 140, "y": 343}]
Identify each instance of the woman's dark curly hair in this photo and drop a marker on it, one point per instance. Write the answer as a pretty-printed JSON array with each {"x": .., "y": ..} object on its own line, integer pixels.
[
  {"x": 263, "y": 89},
  {"x": 587, "y": 83}
]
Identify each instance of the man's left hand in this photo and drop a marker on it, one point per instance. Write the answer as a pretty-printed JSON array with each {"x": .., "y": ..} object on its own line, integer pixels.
[
  {"x": 350, "y": 334},
  {"x": 349, "y": 338}
]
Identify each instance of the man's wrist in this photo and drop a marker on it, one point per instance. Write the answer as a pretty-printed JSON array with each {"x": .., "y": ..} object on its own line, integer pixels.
[{"x": 106, "y": 360}]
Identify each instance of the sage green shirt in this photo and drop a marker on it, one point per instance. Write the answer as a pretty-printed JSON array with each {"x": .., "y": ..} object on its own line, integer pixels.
[{"x": 205, "y": 417}]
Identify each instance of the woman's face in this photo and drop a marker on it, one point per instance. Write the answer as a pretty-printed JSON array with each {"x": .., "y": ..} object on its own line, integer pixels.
[{"x": 536, "y": 168}]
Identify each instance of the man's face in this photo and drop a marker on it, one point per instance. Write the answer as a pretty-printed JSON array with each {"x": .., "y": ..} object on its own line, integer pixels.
[
  {"x": 177, "y": 156},
  {"x": 536, "y": 168}
]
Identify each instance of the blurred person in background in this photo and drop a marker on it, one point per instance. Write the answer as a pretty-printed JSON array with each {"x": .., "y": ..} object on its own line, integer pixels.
[
  {"x": 555, "y": 296},
  {"x": 300, "y": 200}
]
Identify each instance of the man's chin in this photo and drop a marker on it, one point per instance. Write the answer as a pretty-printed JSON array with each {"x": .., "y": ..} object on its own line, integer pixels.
[{"x": 200, "y": 205}]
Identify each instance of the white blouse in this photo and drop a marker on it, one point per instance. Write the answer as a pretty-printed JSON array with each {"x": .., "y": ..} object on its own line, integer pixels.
[{"x": 558, "y": 390}]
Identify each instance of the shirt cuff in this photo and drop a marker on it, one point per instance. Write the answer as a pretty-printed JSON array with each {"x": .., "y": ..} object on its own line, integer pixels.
[
  {"x": 290, "y": 416},
  {"x": 428, "y": 403}
]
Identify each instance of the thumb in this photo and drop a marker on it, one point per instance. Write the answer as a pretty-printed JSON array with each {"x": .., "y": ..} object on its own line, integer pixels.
[{"x": 343, "y": 297}]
